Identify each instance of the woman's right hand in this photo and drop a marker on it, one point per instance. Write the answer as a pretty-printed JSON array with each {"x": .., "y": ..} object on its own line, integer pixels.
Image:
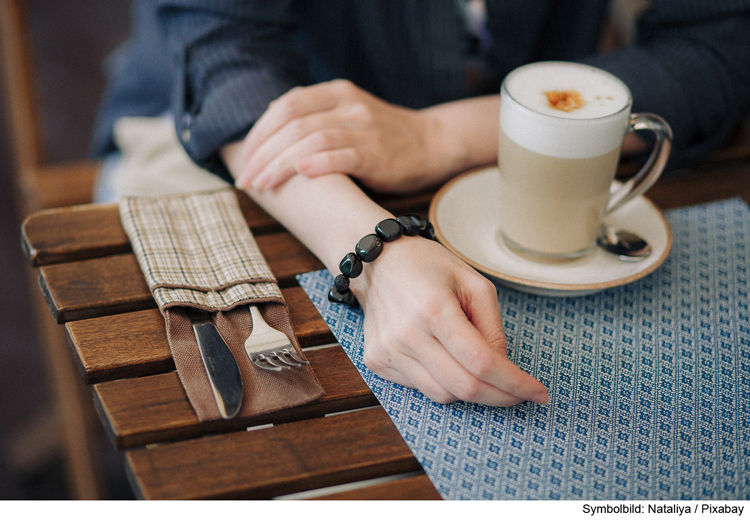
[{"x": 433, "y": 323}]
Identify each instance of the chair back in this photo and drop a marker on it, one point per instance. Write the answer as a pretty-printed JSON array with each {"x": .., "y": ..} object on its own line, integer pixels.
[{"x": 16, "y": 63}]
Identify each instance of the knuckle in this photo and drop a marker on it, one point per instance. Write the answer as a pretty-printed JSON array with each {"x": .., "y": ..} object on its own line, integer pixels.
[
  {"x": 498, "y": 339},
  {"x": 324, "y": 140},
  {"x": 345, "y": 86},
  {"x": 480, "y": 365},
  {"x": 433, "y": 308},
  {"x": 469, "y": 390},
  {"x": 363, "y": 113},
  {"x": 400, "y": 334},
  {"x": 357, "y": 160},
  {"x": 373, "y": 358},
  {"x": 296, "y": 128},
  {"x": 480, "y": 285},
  {"x": 441, "y": 396},
  {"x": 322, "y": 161},
  {"x": 287, "y": 105},
  {"x": 409, "y": 341},
  {"x": 486, "y": 288}
]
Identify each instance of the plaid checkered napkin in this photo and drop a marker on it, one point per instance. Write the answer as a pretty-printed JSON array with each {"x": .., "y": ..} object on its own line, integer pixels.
[{"x": 196, "y": 250}]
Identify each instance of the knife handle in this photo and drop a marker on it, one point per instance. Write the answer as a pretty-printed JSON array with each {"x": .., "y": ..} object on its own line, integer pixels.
[{"x": 223, "y": 371}]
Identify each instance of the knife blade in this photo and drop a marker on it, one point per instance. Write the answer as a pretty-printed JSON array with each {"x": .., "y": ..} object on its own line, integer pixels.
[{"x": 223, "y": 371}]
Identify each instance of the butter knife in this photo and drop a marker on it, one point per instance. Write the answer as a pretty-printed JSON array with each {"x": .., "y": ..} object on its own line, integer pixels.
[{"x": 223, "y": 371}]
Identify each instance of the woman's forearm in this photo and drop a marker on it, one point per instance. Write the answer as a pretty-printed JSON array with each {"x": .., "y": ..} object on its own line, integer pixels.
[
  {"x": 327, "y": 214},
  {"x": 465, "y": 132},
  {"x": 431, "y": 322}
]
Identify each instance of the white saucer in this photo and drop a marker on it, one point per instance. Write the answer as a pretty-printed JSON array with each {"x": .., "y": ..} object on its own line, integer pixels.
[{"x": 465, "y": 215}]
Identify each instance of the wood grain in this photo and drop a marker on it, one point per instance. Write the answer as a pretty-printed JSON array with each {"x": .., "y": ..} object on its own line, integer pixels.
[
  {"x": 95, "y": 287},
  {"x": 94, "y": 230},
  {"x": 59, "y": 235},
  {"x": 287, "y": 458},
  {"x": 134, "y": 344},
  {"x": 90, "y": 231},
  {"x": 111, "y": 285},
  {"x": 155, "y": 409},
  {"x": 411, "y": 488}
]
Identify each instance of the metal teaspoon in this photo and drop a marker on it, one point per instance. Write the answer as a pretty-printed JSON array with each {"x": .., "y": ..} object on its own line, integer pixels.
[{"x": 626, "y": 245}]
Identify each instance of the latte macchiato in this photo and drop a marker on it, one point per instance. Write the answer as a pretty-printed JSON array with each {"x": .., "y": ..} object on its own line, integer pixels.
[
  {"x": 552, "y": 216},
  {"x": 561, "y": 129}
]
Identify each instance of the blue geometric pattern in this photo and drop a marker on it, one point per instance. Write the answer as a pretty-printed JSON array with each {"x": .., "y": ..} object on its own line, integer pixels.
[{"x": 650, "y": 383}]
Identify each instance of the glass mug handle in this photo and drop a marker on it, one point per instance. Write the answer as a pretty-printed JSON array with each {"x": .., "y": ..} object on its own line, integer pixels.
[{"x": 651, "y": 171}]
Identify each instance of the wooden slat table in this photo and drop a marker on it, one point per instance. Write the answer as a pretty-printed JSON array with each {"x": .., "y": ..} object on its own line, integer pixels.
[{"x": 94, "y": 287}]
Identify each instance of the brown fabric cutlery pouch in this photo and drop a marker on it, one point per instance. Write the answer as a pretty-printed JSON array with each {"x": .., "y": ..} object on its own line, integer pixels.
[{"x": 196, "y": 251}]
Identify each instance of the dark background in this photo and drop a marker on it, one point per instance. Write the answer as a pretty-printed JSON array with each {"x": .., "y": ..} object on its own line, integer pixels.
[{"x": 71, "y": 39}]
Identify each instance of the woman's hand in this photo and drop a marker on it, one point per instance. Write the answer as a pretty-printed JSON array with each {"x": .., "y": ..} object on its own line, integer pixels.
[
  {"x": 336, "y": 127},
  {"x": 433, "y": 323}
]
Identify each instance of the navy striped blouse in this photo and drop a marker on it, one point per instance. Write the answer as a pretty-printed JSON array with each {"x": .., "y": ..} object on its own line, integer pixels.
[{"x": 216, "y": 64}]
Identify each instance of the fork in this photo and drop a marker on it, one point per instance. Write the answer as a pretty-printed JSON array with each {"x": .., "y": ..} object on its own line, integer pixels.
[{"x": 268, "y": 348}]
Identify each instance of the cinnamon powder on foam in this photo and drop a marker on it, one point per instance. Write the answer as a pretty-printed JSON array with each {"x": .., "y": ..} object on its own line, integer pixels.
[{"x": 565, "y": 100}]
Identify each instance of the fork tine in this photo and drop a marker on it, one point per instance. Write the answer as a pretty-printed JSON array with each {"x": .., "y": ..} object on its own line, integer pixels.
[
  {"x": 269, "y": 348},
  {"x": 273, "y": 360},
  {"x": 296, "y": 357},
  {"x": 281, "y": 356},
  {"x": 259, "y": 361}
]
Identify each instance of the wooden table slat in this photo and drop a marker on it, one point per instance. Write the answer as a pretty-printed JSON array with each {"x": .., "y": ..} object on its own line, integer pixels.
[
  {"x": 94, "y": 230},
  {"x": 95, "y": 287},
  {"x": 114, "y": 284},
  {"x": 411, "y": 488},
  {"x": 285, "y": 459},
  {"x": 155, "y": 409},
  {"x": 74, "y": 233},
  {"x": 134, "y": 344}
]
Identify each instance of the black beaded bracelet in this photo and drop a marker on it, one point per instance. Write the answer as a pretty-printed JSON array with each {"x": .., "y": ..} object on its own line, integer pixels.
[{"x": 369, "y": 248}]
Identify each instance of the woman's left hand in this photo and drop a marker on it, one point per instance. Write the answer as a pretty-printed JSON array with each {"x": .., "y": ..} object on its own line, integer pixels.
[{"x": 336, "y": 127}]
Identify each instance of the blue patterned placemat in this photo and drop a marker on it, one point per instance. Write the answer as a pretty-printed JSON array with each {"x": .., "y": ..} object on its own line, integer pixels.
[{"x": 650, "y": 383}]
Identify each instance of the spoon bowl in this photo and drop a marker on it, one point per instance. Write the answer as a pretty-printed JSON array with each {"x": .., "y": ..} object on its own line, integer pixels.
[{"x": 626, "y": 245}]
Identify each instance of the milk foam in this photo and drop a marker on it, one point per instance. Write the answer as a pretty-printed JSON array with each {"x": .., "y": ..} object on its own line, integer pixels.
[{"x": 596, "y": 128}]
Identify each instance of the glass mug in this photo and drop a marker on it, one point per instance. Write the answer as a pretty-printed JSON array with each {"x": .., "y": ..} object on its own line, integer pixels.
[{"x": 562, "y": 126}]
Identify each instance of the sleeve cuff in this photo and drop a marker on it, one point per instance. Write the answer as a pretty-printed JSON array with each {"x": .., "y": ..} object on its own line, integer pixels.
[{"x": 225, "y": 115}]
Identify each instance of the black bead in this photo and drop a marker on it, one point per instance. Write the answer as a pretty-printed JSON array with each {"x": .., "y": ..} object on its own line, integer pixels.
[
  {"x": 350, "y": 265},
  {"x": 369, "y": 247},
  {"x": 389, "y": 230},
  {"x": 412, "y": 224},
  {"x": 341, "y": 283},
  {"x": 429, "y": 231},
  {"x": 347, "y": 298}
]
